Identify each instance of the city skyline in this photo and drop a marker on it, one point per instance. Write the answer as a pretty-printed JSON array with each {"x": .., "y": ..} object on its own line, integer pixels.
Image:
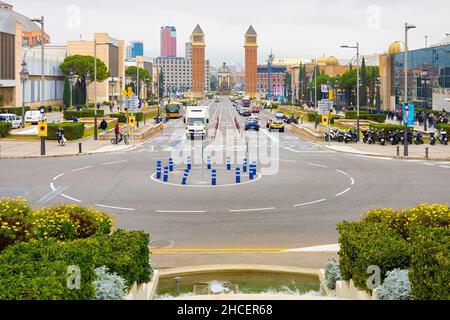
[{"x": 375, "y": 26}]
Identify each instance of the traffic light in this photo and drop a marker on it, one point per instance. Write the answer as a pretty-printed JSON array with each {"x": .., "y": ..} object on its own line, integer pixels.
[
  {"x": 331, "y": 97},
  {"x": 125, "y": 93},
  {"x": 127, "y": 114}
]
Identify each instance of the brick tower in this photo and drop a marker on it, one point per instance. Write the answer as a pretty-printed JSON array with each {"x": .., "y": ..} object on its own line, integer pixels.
[
  {"x": 251, "y": 62},
  {"x": 198, "y": 62}
]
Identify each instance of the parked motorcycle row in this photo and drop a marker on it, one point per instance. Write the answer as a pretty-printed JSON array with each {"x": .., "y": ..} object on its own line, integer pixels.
[{"x": 383, "y": 137}]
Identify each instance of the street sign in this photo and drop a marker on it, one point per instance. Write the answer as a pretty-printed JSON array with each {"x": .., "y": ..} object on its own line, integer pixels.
[
  {"x": 324, "y": 88},
  {"x": 408, "y": 114},
  {"x": 42, "y": 129},
  {"x": 42, "y": 109},
  {"x": 324, "y": 107},
  {"x": 132, "y": 122},
  {"x": 325, "y": 121}
]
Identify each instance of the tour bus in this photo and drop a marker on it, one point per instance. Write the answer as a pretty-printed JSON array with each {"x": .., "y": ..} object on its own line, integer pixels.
[{"x": 174, "y": 110}]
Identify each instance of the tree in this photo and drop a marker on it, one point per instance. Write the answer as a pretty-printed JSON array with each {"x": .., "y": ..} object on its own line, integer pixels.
[
  {"x": 2, "y": 100},
  {"x": 348, "y": 84},
  {"x": 363, "y": 88},
  {"x": 131, "y": 72},
  {"x": 66, "y": 94},
  {"x": 214, "y": 83}
]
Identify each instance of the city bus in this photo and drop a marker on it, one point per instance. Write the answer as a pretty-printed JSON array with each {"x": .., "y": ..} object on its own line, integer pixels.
[
  {"x": 174, "y": 110},
  {"x": 247, "y": 102}
]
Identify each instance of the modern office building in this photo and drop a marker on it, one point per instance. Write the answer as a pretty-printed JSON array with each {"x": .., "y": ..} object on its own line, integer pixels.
[
  {"x": 135, "y": 49},
  {"x": 432, "y": 63},
  {"x": 177, "y": 73},
  {"x": 168, "y": 41},
  {"x": 112, "y": 53},
  {"x": 251, "y": 62}
]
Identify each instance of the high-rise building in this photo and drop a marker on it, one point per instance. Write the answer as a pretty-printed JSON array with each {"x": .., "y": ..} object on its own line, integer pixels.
[
  {"x": 198, "y": 62},
  {"x": 168, "y": 41},
  {"x": 251, "y": 62},
  {"x": 135, "y": 49}
]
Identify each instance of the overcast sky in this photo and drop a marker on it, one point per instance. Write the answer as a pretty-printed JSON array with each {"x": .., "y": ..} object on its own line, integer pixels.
[{"x": 293, "y": 28}]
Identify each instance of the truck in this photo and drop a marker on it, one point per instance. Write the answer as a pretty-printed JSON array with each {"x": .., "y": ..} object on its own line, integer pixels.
[{"x": 197, "y": 121}]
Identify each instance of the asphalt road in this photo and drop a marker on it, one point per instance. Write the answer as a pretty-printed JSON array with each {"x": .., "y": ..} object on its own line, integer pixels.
[{"x": 299, "y": 195}]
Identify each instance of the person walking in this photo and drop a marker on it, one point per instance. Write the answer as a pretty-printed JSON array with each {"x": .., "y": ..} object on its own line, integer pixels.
[
  {"x": 103, "y": 126},
  {"x": 117, "y": 132},
  {"x": 60, "y": 136}
]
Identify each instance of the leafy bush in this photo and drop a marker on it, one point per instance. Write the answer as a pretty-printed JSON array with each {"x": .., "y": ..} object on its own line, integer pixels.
[
  {"x": 15, "y": 110},
  {"x": 123, "y": 119},
  {"x": 443, "y": 127},
  {"x": 311, "y": 116},
  {"x": 365, "y": 115},
  {"x": 5, "y": 129},
  {"x": 127, "y": 254},
  {"x": 426, "y": 215},
  {"x": 388, "y": 127},
  {"x": 15, "y": 221},
  {"x": 430, "y": 265},
  {"x": 38, "y": 270},
  {"x": 365, "y": 244},
  {"x": 332, "y": 274},
  {"x": 69, "y": 222},
  {"x": 72, "y": 131},
  {"x": 108, "y": 286},
  {"x": 396, "y": 286},
  {"x": 84, "y": 113}
]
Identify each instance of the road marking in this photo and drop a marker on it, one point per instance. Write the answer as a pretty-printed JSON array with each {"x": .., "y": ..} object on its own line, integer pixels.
[
  {"x": 115, "y": 208},
  {"x": 80, "y": 169},
  {"x": 370, "y": 157},
  {"x": 116, "y": 162},
  {"x": 168, "y": 211},
  {"x": 52, "y": 186},
  {"x": 342, "y": 172},
  {"x": 58, "y": 176},
  {"x": 331, "y": 248},
  {"x": 52, "y": 194},
  {"x": 212, "y": 250},
  {"x": 353, "y": 181},
  {"x": 70, "y": 198},
  {"x": 340, "y": 194},
  {"x": 446, "y": 167},
  {"x": 253, "y": 210},
  {"x": 429, "y": 164},
  {"x": 308, "y": 203},
  {"x": 317, "y": 165}
]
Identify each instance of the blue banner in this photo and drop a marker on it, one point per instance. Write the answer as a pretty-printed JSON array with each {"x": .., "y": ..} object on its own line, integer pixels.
[{"x": 408, "y": 114}]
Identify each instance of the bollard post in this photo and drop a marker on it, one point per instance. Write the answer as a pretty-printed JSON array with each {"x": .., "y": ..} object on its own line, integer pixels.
[
  {"x": 255, "y": 167},
  {"x": 238, "y": 175},
  {"x": 427, "y": 153},
  {"x": 228, "y": 164},
  {"x": 189, "y": 163},
  {"x": 166, "y": 174},
  {"x": 158, "y": 169},
  {"x": 80, "y": 148},
  {"x": 398, "y": 151},
  {"x": 251, "y": 175},
  {"x": 209, "y": 163},
  {"x": 171, "y": 165},
  {"x": 185, "y": 177},
  {"x": 245, "y": 166},
  {"x": 214, "y": 177}
]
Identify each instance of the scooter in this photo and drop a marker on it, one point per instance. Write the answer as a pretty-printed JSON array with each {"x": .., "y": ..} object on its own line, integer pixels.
[
  {"x": 418, "y": 138},
  {"x": 432, "y": 138},
  {"x": 382, "y": 137},
  {"x": 369, "y": 137},
  {"x": 409, "y": 137},
  {"x": 443, "y": 137},
  {"x": 350, "y": 136},
  {"x": 393, "y": 137}
]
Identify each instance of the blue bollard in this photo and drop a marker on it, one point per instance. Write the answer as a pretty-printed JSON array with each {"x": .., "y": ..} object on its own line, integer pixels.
[
  {"x": 189, "y": 163},
  {"x": 252, "y": 174},
  {"x": 245, "y": 166},
  {"x": 185, "y": 177},
  {"x": 214, "y": 177},
  {"x": 171, "y": 165},
  {"x": 254, "y": 168},
  {"x": 238, "y": 175},
  {"x": 166, "y": 174},
  {"x": 228, "y": 164},
  {"x": 209, "y": 163},
  {"x": 158, "y": 170}
]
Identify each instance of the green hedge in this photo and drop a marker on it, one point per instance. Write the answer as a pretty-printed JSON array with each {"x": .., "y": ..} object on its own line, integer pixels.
[
  {"x": 16, "y": 110},
  {"x": 388, "y": 127},
  {"x": 123, "y": 119},
  {"x": 365, "y": 115},
  {"x": 311, "y": 117},
  {"x": 84, "y": 113},
  {"x": 38, "y": 270},
  {"x": 366, "y": 244},
  {"x": 430, "y": 265},
  {"x": 443, "y": 127},
  {"x": 5, "y": 129},
  {"x": 72, "y": 130}
]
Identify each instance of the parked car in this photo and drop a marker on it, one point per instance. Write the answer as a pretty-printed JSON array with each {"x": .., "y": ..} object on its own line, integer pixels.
[
  {"x": 252, "y": 123},
  {"x": 276, "y": 124},
  {"x": 15, "y": 121},
  {"x": 245, "y": 112},
  {"x": 34, "y": 117}
]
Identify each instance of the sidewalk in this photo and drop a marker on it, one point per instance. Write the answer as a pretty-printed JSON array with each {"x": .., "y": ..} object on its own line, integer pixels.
[{"x": 13, "y": 149}]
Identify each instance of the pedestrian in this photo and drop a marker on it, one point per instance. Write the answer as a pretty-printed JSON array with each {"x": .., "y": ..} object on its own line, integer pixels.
[
  {"x": 111, "y": 107},
  {"x": 103, "y": 126},
  {"x": 60, "y": 136},
  {"x": 117, "y": 131}
]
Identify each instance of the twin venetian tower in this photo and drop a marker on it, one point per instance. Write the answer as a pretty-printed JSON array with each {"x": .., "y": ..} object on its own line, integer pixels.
[{"x": 199, "y": 67}]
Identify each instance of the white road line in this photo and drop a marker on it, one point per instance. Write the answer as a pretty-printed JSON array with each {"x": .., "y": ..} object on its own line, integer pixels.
[
  {"x": 253, "y": 210},
  {"x": 168, "y": 211},
  {"x": 52, "y": 186},
  {"x": 308, "y": 203},
  {"x": 116, "y": 162},
  {"x": 116, "y": 208},
  {"x": 446, "y": 167},
  {"x": 70, "y": 198},
  {"x": 429, "y": 164},
  {"x": 343, "y": 192},
  {"x": 51, "y": 195},
  {"x": 353, "y": 181},
  {"x": 317, "y": 165},
  {"x": 84, "y": 168},
  {"x": 342, "y": 172},
  {"x": 58, "y": 176}
]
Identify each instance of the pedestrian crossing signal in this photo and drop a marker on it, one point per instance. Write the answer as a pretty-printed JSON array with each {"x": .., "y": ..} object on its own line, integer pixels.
[{"x": 42, "y": 129}]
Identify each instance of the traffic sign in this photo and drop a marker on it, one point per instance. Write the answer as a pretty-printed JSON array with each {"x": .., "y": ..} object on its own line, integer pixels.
[
  {"x": 325, "y": 121},
  {"x": 324, "y": 88},
  {"x": 324, "y": 107},
  {"x": 130, "y": 91},
  {"x": 132, "y": 121},
  {"x": 42, "y": 129}
]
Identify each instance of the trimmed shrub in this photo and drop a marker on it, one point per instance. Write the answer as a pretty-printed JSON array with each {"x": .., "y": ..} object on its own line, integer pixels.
[
  {"x": 84, "y": 113},
  {"x": 311, "y": 117},
  {"x": 127, "y": 254},
  {"x": 14, "y": 110},
  {"x": 332, "y": 274},
  {"x": 365, "y": 115},
  {"x": 5, "y": 129},
  {"x": 15, "y": 221},
  {"x": 430, "y": 264},
  {"x": 396, "y": 286},
  {"x": 108, "y": 286},
  {"x": 443, "y": 127},
  {"x": 72, "y": 130},
  {"x": 403, "y": 221},
  {"x": 38, "y": 270},
  {"x": 123, "y": 119},
  {"x": 388, "y": 127},
  {"x": 364, "y": 245}
]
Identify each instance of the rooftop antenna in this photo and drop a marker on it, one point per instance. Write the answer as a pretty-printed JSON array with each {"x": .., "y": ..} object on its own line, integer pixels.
[{"x": 426, "y": 41}]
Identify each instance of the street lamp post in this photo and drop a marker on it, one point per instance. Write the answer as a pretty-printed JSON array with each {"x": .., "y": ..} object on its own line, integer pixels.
[
  {"x": 23, "y": 77},
  {"x": 425, "y": 80},
  {"x": 377, "y": 94},
  {"x": 405, "y": 133},
  {"x": 357, "y": 88},
  {"x": 41, "y": 21},
  {"x": 315, "y": 94},
  {"x": 87, "y": 79}
]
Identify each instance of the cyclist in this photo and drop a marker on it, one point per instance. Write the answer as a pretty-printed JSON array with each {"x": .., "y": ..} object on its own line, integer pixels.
[{"x": 117, "y": 132}]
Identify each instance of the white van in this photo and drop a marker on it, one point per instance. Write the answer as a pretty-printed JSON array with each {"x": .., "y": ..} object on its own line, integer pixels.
[
  {"x": 33, "y": 117},
  {"x": 196, "y": 121},
  {"x": 15, "y": 121}
]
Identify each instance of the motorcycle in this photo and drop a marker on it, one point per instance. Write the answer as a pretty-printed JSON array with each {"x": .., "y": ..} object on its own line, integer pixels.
[
  {"x": 409, "y": 137},
  {"x": 369, "y": 137},
  {"x": 393, "y": 137},
  {"x": 443, "y": 137},
  {"x": 432, "y": 138},
  {"x": 418, "y": 138},
  {"x": 334, "y": 134},
  {"x": 382, "y": 137},
  {"x": 350, "y": 136}
]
